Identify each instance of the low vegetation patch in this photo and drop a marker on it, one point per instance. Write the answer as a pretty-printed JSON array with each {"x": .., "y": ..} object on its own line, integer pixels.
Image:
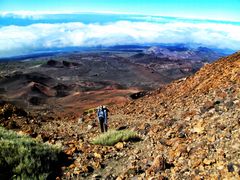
[
  {"x": 21, "y": 157},
  {"x": 112, "y": 137}
]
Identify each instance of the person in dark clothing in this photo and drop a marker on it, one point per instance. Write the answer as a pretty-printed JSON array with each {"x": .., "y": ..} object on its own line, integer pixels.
[{"x": 102, "y": 114}]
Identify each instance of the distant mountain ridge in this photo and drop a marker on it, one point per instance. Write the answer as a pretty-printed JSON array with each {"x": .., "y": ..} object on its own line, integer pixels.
[
  {"x": 182, "y": 53},
  {"x": 171, "y": 51}
]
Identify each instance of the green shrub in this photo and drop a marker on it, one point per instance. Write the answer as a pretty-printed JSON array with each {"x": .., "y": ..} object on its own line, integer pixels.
[
  {"x": 21, "y": 157},
  {"x": 112, "y": 137}
]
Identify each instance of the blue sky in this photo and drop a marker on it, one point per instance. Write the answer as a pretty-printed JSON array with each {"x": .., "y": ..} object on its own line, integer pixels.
[{"x": 210, "y": 9}]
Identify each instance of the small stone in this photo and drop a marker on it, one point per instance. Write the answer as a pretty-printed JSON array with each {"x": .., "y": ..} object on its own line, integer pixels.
[
  {"x": 230, "y": 167},
  {"x": 154, "y": 116},
  {"x": 119, "y": 145},
  {"x": 198, "y": 129},
  {"x": 131, "y": 157},
  {"x": 187, "y": 118},
  {"x": 136, "y": 151},
  {"x": 220, "y": 167},
  {"x": 96, "y": 165},
  {"x": 97, "y": 155},
  {"x": 89, "y": 127},
  {"x": 207, "y": 106},
  {"x": 71, "y": 151},
  {"x": 80, "y": 120},
  {"x": 196, "y": 162},
  {"x": 208, "y": 161},
  {"x": 96, "y": 176},
  {"x": 159, "y": 164},
  {"x": 211, "y": 138},
  {"x": 236, "y": 101},
  {"x": 72, "y": 166},
  {"x": 119, "y": 178},
  {"x": 182, "y": 135},
  {"x": 76, "y": 170}
]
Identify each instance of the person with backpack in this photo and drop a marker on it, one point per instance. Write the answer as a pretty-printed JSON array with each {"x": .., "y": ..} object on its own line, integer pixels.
[{"x": 102, "y": 114}]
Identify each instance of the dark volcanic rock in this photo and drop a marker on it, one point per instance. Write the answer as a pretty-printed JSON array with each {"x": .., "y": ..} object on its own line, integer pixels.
[
  {"x": 137, "y": 95},
  {"x": 35, "y": 100},
  {"x": 62, "y": 90},
  {"x": 52, "y": 63},
  {"x": 8, "y": 110}
]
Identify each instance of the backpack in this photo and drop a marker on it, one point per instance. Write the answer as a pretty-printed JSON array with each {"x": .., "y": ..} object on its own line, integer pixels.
[{"x": 100, "y": 112}]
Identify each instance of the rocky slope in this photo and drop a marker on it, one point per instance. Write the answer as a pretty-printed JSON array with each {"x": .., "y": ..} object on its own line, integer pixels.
[
  {"x": 189, "y": 130},
  {"x": 194, "y": 123}
]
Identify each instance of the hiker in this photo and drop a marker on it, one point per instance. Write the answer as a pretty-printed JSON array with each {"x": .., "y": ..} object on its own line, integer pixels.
[{"x": 102, "y": 114}]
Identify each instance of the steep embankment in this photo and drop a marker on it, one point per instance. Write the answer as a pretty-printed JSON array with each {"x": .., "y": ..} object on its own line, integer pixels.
[{"x": 194, "y": 123}]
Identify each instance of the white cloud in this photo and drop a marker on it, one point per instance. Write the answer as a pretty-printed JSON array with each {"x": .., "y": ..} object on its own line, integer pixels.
[{"x": 16, "y": 40}]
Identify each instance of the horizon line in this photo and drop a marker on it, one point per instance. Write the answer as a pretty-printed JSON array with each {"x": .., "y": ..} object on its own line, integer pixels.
[{"x": 25, "y": 13}]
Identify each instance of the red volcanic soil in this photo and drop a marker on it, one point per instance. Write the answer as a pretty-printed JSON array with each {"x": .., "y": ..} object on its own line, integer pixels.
[
  {"x": 77, "y": 102},
  {"x": 72, "y": 83},
  {"x": 31, "y": 88}
]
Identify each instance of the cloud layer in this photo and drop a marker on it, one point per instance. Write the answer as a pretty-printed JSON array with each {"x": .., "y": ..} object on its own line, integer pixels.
[{"x": 15, "y": 40}]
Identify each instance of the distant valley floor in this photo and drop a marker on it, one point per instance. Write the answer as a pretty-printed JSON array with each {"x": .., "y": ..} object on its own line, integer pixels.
[{"x": 70, "y": 83}]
